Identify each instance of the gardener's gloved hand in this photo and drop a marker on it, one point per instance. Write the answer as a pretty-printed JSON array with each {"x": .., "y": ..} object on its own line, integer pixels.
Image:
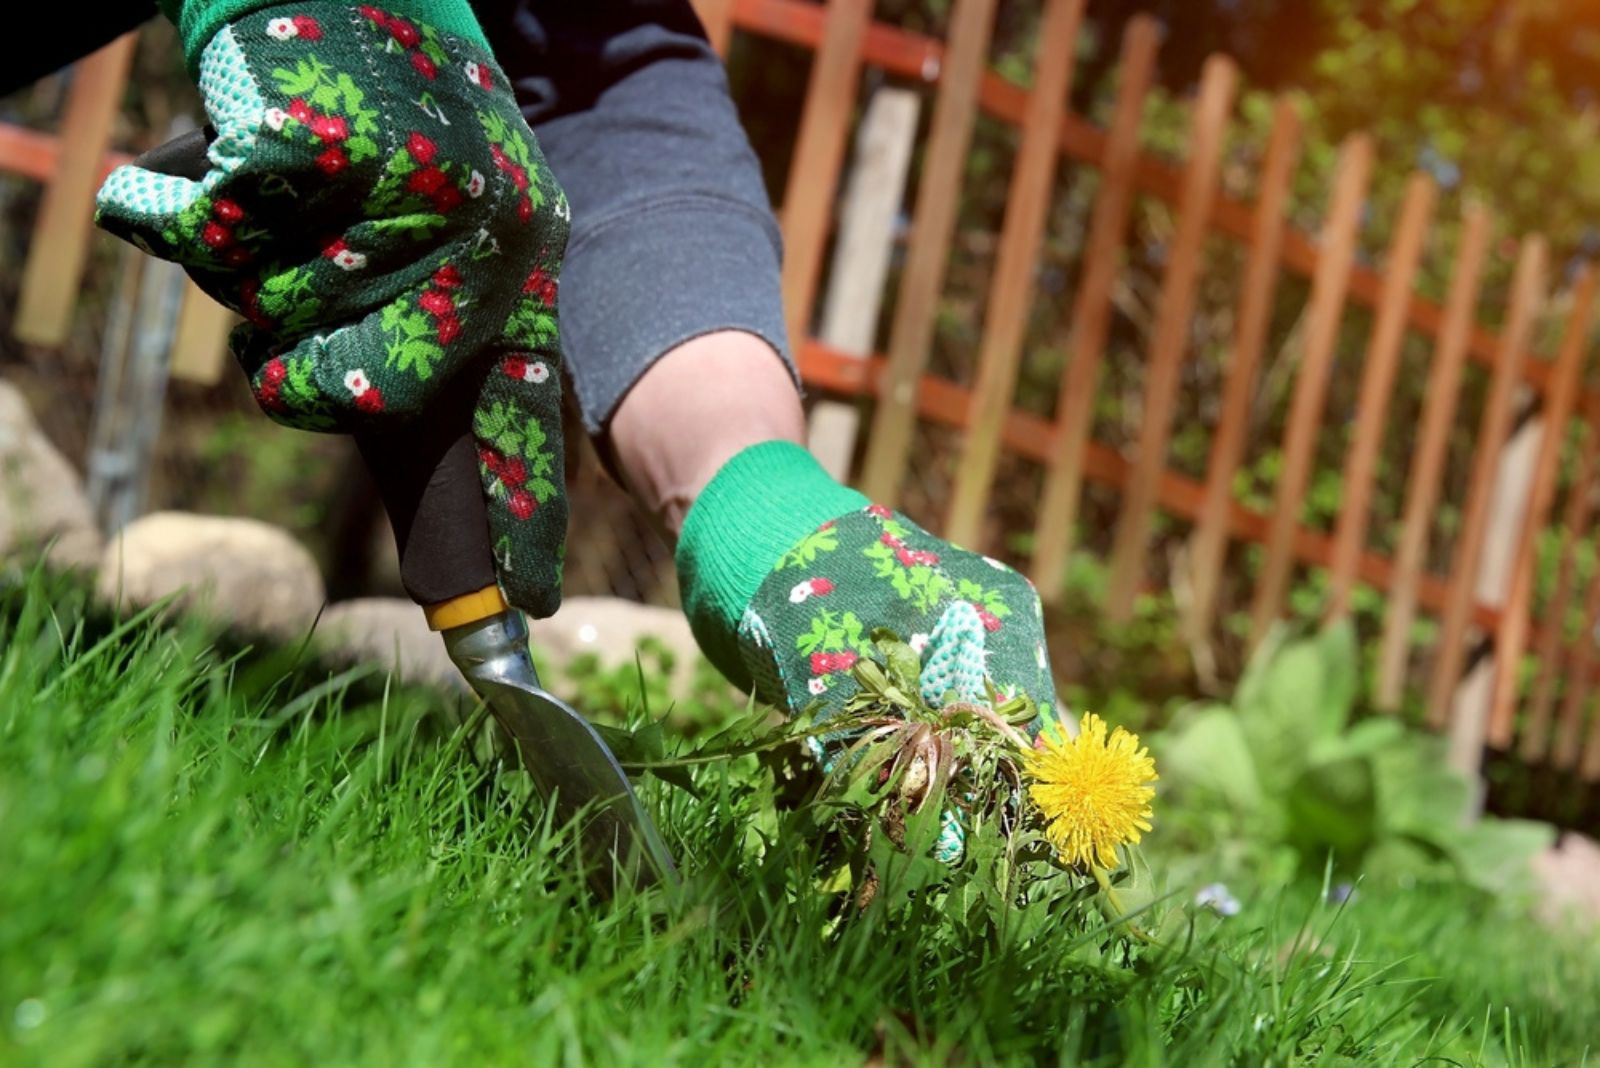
[
  {"x": 786, "y": 573},
  {"x": 376, "y": 208},
  {"x": 971, "y": 618}
]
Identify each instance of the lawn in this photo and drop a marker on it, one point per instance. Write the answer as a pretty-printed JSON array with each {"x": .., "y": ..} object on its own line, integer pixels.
[{"x": 210, "y": 855}]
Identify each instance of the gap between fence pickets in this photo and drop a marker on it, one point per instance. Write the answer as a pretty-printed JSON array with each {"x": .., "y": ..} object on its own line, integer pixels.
[{"x": 862, "y": 249}]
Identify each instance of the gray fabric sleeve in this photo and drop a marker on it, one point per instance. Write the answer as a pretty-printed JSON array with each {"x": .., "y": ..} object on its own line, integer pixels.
[{"x": 672, "y": 233}]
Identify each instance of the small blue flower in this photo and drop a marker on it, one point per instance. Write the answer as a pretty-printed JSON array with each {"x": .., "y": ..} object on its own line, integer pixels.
[{"x": 1217, "y": 898}]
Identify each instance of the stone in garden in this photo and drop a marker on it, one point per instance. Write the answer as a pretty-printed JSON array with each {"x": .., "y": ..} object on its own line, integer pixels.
[
  {"x": 613, "y": 629},
  {"x": 391, "y": 631},
  {"x": 42, "y": 503},
  {"x": 1568, "y": 878},
  {"x": 241, "y": 572}
]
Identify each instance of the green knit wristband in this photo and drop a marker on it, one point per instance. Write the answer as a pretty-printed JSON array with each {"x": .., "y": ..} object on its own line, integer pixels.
[
  {"x": 759, "y": 504},
  {"x": 199, "y": 20}
]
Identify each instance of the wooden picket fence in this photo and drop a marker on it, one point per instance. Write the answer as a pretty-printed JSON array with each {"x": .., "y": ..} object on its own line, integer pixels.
[
  {"x": 845, "y": 41},
  {"x": 837, "y": 358}
]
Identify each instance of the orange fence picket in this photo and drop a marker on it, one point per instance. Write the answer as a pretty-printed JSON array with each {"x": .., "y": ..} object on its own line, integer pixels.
[
  {"x": 1323, "y": 317},
  {"x": 61, "y": 232},
  {"x": 1090, "y": 320},
  {"x": 1527, "y": 294},
  {"x": 818, "y": 156},
  {"x": 1255, "y": 313},
  {"x": 928, "y": 252},
  {"x": 1171, "y": 342},
  {"x": 1011, "y": 290},
  {"x": 1535, "y": 744},
  {"x": 1427, "y": 462},
  {"x": 1511, "y": 635},
  {"x": 1377, "y": 382}
]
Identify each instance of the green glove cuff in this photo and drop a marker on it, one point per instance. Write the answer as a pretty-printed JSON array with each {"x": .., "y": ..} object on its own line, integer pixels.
[
  {"x": 759, "y": 504},
  {"x": 199, "y": 20}
]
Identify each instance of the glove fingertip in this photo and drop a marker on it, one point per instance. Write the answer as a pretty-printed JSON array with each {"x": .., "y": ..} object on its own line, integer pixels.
[{"x": 134, "y": 202}]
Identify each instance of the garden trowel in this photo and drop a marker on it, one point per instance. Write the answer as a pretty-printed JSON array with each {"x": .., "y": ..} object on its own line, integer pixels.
[
  {"x": 428, "y": 479},
  {"x": 427, "y": 475},
  {"x": 570, "y": 765}
]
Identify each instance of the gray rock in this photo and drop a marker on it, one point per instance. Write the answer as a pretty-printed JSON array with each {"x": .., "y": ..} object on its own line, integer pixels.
[
  {"x": 390, "y": 631},
  {"x": 612, "y": 629},
  {"x": 42, "y": 502},
  {"x": 242, "y": 572}
]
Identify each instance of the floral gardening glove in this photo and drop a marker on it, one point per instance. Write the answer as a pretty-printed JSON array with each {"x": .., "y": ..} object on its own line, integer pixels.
[
  {"x": 971, "y": 619},
  {"x": 379, "y": 212},
  {"x": 786, "y": 574},
  {"x": 975, "y": 622}
]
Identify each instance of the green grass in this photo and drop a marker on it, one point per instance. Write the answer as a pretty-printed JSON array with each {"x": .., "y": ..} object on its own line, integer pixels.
[{"x": 209, "y": 857}]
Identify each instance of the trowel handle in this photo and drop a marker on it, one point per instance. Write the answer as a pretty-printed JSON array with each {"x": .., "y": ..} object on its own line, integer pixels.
[{"x": 427, "y": 476}]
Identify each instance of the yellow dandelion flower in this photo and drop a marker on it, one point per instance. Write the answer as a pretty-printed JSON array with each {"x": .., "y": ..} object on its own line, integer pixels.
[{"x": 1092, "y": 791}]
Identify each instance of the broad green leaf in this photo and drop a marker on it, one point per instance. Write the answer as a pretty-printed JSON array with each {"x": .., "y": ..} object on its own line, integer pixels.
[
  {"x": 1419, "y": 794},
  {"x": 1341, "y": 673},
  {"x": 644, "y": 746},
  {"x": 1208, "y": 752},
  {"x": 1367, "y": 738},
  {"x": 1333, "y": 807},
  {"x": 1496, "y": 855},
  {"x": 871, "y": 676},
  {"x": 1283, "y": 718},
  {"x": 1252, "y": 685}
]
